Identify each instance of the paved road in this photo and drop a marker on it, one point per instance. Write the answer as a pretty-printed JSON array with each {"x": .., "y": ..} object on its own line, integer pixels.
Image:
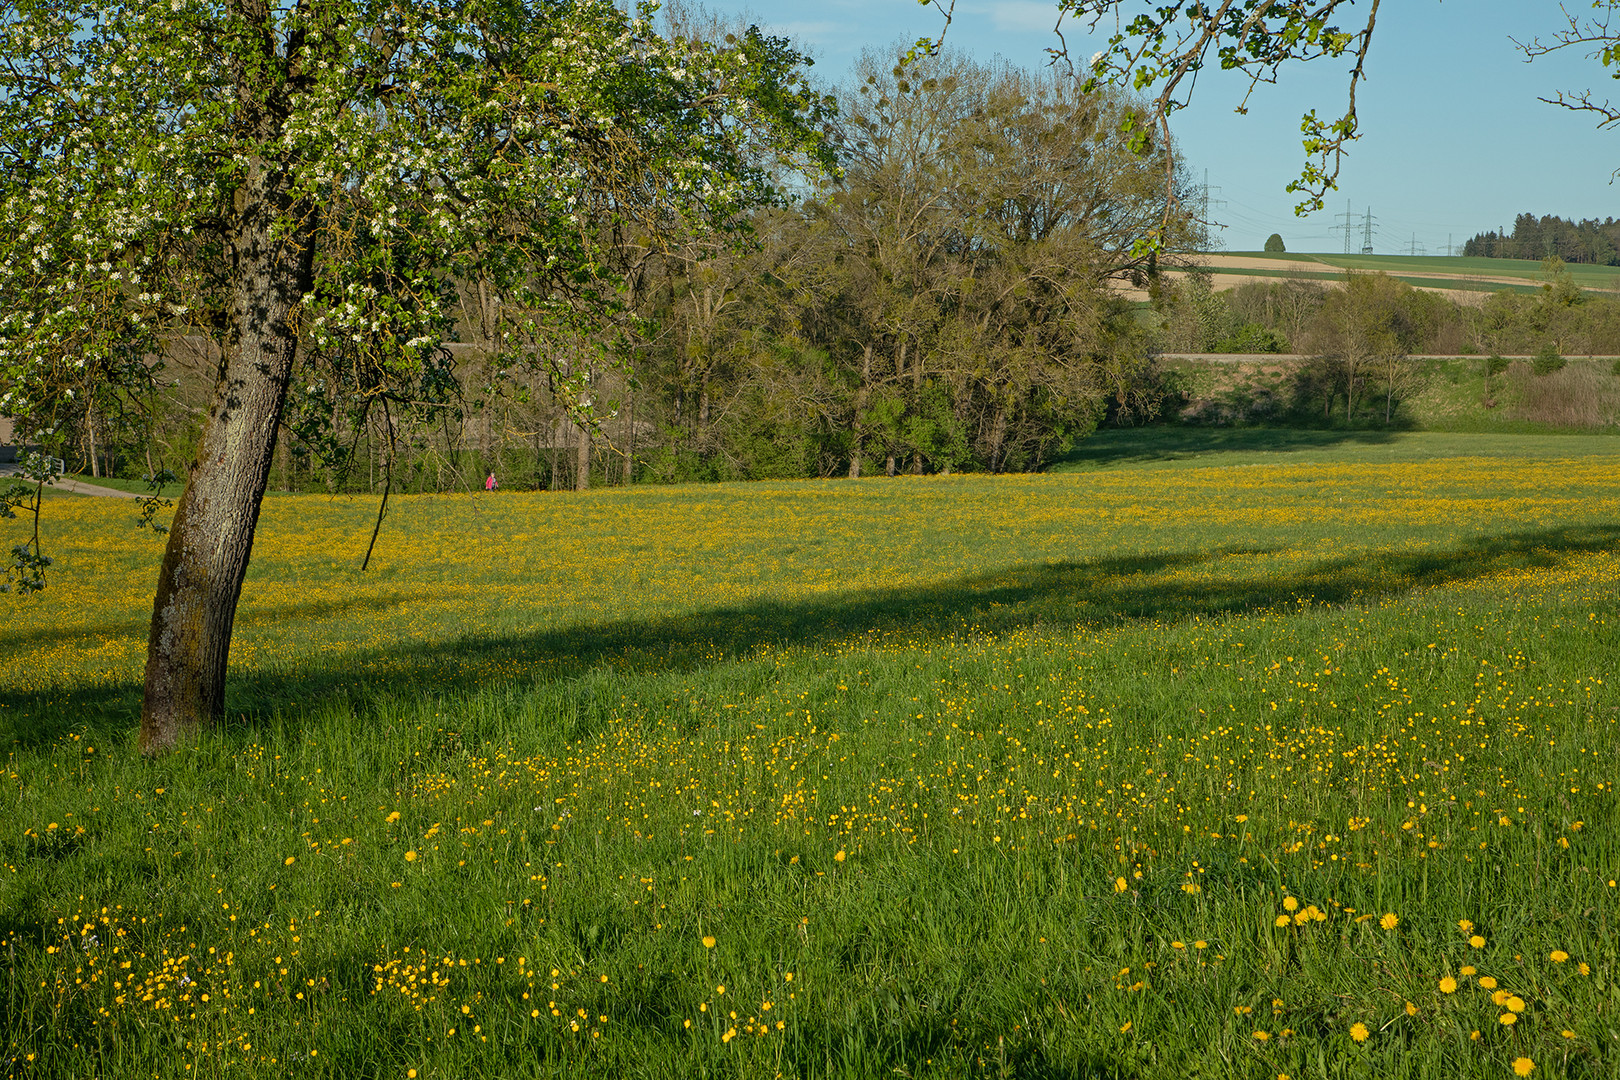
[{"x": 77, "y": 487}]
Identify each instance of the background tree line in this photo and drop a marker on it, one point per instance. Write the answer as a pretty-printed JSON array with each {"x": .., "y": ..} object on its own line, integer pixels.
[
  {"x": 1590, "y": 241},
  {"x": 946, "y": 303},
  {"x": 1313, "y": 317},
  {"x": 950, "y": 302}
]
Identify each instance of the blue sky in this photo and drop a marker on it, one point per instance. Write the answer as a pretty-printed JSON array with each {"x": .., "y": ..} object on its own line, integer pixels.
[{"x": 1454, "y": 139}]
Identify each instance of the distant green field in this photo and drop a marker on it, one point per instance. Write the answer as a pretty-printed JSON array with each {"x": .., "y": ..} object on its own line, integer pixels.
[{"x": 1417, "y": 269}]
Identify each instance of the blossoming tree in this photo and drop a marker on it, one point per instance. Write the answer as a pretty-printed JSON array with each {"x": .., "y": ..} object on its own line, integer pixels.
[{"x": 310, "y": 180}]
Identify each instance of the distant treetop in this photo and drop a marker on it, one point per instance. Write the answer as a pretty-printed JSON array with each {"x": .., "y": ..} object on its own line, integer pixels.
[{"x": 1274, "y": 243}]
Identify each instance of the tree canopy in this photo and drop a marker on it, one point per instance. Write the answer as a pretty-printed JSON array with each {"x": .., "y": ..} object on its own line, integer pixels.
[{"x": 311, "y": 179}]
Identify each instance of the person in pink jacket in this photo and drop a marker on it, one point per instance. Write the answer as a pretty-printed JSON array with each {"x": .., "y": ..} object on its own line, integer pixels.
[{"x": 490, "y": 484}]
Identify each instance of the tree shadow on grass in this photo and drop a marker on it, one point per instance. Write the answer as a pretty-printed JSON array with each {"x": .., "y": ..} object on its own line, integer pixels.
[
  {"x": 1165, "y": 588},
  {"x": 1168, "y": 443},
  {"x": 20, "y": 640}
]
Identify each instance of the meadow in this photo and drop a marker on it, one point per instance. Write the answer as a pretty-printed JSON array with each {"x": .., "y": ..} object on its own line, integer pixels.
[{"x": 1214, "y": 756}]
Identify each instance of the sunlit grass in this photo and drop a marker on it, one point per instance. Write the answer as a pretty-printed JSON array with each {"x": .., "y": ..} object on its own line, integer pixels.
[{"x": 1151, "y": 770}]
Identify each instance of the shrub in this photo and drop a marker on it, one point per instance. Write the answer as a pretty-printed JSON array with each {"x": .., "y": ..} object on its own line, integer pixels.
[
  {"x": 1252, "y": 338},
  {"x": 1547, "y": 361},
  {"x": 1495, "y": 365},
  {"x": 1274, "y": 243}
]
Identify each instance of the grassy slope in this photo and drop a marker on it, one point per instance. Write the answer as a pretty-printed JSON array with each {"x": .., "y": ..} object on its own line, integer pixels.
[{"x": 1012, "y": 776}]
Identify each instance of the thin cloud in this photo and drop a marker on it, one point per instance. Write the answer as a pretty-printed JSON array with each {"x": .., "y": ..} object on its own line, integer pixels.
[
  {"x": 817, "y": 33},
  {"x": 1021, "y": 16}
]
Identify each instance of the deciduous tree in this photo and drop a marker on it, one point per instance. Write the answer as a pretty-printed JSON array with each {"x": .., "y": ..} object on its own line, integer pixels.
[{"x": 313, "y": 176}]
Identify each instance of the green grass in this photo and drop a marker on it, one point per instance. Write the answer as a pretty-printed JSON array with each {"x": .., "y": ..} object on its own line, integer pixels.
[
  {"x": 1212, "y": 446},
  {"x": 1014, "y": 776},
  {"x": 134, "y": 487},
  {"x": 1416, "y": 268}
]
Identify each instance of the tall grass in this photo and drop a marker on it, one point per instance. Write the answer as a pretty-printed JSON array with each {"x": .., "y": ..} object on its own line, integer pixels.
[{"x": 1151, "y": 770}]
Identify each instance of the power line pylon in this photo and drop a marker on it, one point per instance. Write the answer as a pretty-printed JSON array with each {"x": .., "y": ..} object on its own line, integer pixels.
[
  {"x": 1348, "y": 224},
  {"x": 1367, "y": 233}
]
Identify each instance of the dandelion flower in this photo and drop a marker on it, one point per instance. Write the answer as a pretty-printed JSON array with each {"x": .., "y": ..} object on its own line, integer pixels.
[
  {"x": 1126, "y": 1026},
  {"x": 1477, "y": 942},
  {"x": 1290, "y": 904},
  {"x": 1522, "y": 1066},
  {"x": 1466, "y": 969},
  {"x": 1515, "y": 1004},
  {"x": 1464, "y": 925},
  {"x": 1120, "y": 884},
  {"x": 1558, "y": 956},
  {"x": 1262, "y": 1036},
  {"x": 1359, "y": 1032},
  {"x": 708, "y": 942},
  {"x": 289, "y": 860},
  {"x": 1508, "y": 1019},
  {"x": 1411, "y": 1009},
  {"x": 1566, "y": 1033},
  {"x": 410, "y": 856},
  {"x": 1487, "y": 982},
  {"x": 1282, "y": 920},
  {"x": 1389, "y": 920},
  {"x": 840, "y": 856},
  {"x": 1448, "y": 985},
  {"x": 1200, "y": 944},
  {"x": 391, "y": 819}
]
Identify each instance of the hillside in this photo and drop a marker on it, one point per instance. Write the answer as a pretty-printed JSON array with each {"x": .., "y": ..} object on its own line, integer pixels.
[{"x": 1465, "y": 279}]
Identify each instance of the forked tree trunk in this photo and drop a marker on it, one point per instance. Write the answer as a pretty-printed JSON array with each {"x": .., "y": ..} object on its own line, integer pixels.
[{"x": 211, "y": 538}]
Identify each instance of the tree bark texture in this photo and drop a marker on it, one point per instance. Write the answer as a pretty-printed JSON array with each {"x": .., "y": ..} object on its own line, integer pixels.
[{"x": 211, "y": 538}]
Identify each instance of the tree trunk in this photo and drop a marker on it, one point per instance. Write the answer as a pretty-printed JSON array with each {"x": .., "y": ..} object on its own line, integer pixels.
[
  {"x": 582, "y": 469},
  {"x": 858, "y": 431},
  {"x": 998, "y": 435},
  {"x": 629, "y": 438},
  {"x": 888, "y": 468},
  {"x": 702, "y": 440},
  {"x": 211, "y": 538},
  {"x": 90, "y": 436},
  {"x": 556, "y": 437}
]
